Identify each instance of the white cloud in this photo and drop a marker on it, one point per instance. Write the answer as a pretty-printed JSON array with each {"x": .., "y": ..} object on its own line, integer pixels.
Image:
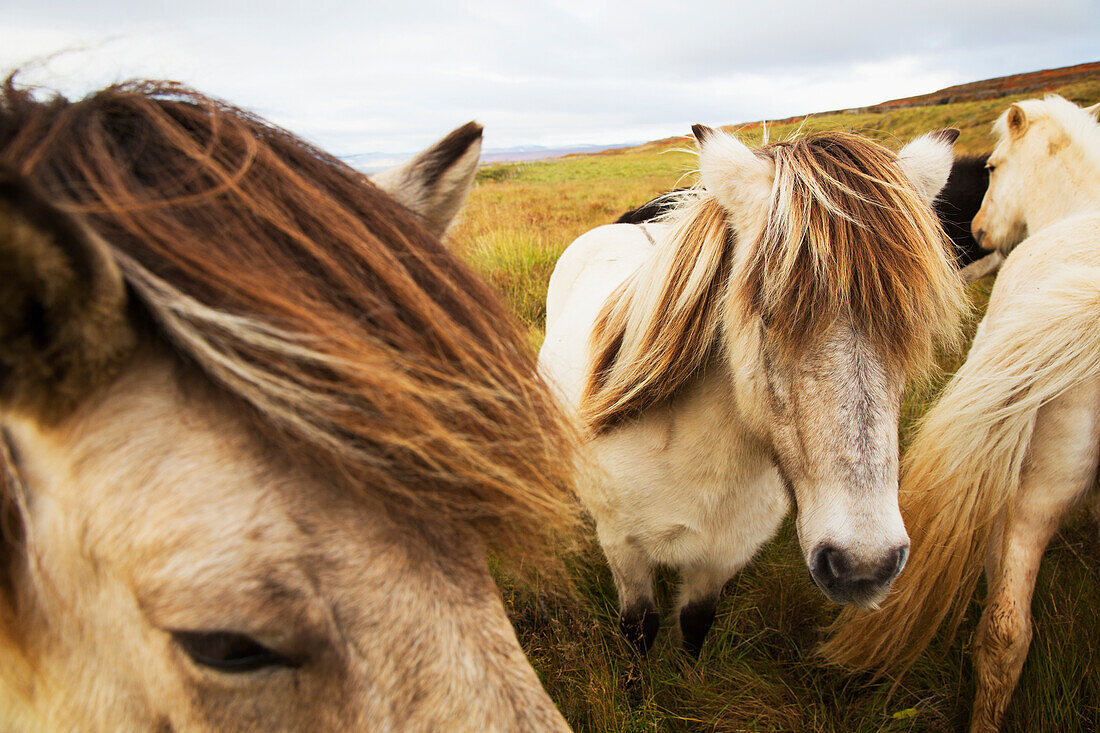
[{"x": 360, "y": 76}]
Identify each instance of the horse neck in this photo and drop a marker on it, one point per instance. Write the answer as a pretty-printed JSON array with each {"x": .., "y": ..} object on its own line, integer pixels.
[{"x": 1067, "y": 184}]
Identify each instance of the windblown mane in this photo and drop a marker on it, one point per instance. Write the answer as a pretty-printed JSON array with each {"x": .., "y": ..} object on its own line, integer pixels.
[
  {"x": 313, "y": 298},
  {"x": 846, "y": 233}
]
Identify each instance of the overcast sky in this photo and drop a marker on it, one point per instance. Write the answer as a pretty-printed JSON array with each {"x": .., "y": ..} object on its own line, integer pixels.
[{"x": 391, "y": 76}]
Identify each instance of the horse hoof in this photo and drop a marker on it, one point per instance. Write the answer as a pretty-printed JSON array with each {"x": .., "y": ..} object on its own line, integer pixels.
[{"x": 639, "y": 625}]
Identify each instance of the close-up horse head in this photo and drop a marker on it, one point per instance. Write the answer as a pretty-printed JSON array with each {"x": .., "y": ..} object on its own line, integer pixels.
[
  {"x": 1039, "y": 145},
  {"x": 260, "y": 430},
  {"x": 842, "y": 283}
]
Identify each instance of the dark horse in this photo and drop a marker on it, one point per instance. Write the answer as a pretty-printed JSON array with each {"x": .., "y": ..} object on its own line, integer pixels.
[{"x": 955, "y": 206}]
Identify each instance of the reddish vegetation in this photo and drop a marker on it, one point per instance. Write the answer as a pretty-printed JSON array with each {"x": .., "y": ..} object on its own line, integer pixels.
[{"x": 1031, "y": 82}]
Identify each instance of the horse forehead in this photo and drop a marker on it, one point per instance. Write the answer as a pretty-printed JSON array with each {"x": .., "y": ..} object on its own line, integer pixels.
[
  {"x": 842, "y": 354},
  {"x": 169, "y": 473}
]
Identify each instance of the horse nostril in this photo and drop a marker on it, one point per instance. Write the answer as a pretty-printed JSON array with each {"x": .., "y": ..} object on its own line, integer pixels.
[
  {"x": 839, "y": 572},
  {"x": 828, "y": 566},
  {"x": 979, "y": 236},
  {"x": 901, "y": 555}
]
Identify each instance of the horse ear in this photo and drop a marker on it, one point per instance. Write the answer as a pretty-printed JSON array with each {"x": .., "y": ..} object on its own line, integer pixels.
[
  {"x": 701, "y": 132},
  {"x": 1016, "y": 121},
  {"x": 64, "y": 325},
  {"x": 927, "y": 161},
  {"x": 435, "y": 183},
  {"x": 736, "y": 175},
  {"x": 1094, "y": 110}
]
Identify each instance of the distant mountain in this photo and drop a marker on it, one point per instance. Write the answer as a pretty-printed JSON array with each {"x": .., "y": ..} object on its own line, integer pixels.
[
  {"x": 374, "y": 162},
  {"x": 538, "y": 152}
]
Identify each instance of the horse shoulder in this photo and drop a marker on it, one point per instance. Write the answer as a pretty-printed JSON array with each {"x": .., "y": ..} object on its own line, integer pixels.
[{"x": 607, "y": 254}]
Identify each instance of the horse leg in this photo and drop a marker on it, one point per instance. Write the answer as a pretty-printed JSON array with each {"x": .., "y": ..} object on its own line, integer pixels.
[
  {"x": 633, "y": 573},
  {"x": 697, "y": 603},
  {"x": 993, "y": 551},
  {"x": 1061, "y": 469}
]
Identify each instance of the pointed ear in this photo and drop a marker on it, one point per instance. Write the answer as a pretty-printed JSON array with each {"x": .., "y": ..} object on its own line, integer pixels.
[
  {"x": 64, "y": 325},
  {"x": 1094, "y": 110},
  {"x": 736, "y": 176},
  {"x": 701, "y": 132},
  {"x": 435, "y": 183},
  {"x": 1016, "y": 121},
  {"x": 927, "y": 161}
]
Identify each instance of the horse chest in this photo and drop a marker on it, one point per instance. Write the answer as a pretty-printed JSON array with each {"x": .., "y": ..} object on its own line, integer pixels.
[{"x": 687, "y": 483}]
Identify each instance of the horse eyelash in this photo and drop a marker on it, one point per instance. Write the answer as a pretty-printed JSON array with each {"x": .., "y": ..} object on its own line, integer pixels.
[{"x": 226, "y": 651}]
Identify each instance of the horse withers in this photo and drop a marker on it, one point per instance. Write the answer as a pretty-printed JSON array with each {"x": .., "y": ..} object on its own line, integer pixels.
[
  {"x": 259, "y": 429},
  {"x": 1012, "y": 445},
  {"x": 747, "y": 355}
]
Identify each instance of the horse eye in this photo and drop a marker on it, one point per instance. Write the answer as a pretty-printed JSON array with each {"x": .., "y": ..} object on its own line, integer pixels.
[
  {"x": 989, "y": 167},
  {"x": 228, "y": 652}
]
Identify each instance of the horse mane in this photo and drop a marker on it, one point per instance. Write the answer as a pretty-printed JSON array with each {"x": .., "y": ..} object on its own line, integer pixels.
[
  {"x": 316, "y": 300},
  {"x": 659, "y": 327},
  {"x": 965, "y": 464},
  {"x": 1080, "y": 127},
  {"x": 846, "y": 234}
]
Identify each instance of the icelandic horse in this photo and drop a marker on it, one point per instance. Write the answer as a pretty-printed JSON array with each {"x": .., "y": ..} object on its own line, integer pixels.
[{"x": 746, "y": 356}]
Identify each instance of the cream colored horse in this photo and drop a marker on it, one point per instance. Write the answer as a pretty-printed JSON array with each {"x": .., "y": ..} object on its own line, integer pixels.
[
  {"x": 259, "y": 428},
  {"x": 746, "y": 356},
  {"x": 1013, "y": 443}
]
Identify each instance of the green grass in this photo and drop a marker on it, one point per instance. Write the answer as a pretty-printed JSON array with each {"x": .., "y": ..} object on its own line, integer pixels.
[{"x": 757, "y": 672}]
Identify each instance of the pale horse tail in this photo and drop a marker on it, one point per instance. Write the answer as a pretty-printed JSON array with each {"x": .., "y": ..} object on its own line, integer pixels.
[{"x": 964, "y": 466}]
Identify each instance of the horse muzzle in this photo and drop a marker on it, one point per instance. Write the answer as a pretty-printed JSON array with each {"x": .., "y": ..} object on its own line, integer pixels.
[{"x": 846, "y": 579}]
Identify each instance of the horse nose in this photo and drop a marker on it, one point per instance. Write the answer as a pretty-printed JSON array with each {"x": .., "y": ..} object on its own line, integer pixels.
[
  {"x": 846, "y": 579},
  {"x": 979, "y": 236}
]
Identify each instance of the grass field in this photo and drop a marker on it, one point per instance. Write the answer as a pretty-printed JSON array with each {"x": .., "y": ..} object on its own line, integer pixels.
[{"x": 757, "y": 671}]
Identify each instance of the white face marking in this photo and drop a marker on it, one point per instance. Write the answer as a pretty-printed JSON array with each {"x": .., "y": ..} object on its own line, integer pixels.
[
  {"x": 1000, "y": 223},
  {"x": 835, "y": 415}
]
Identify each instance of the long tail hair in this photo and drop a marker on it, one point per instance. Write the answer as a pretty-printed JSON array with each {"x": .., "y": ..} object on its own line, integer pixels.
[{"x": 965, "y": 464}]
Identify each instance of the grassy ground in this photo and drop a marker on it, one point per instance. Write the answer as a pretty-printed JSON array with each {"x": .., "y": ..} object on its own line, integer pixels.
[{"x": 757, "y": 671}]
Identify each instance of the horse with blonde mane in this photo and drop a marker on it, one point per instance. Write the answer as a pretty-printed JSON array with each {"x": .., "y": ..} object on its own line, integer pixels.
[
  {"x": 748, "y": 354},
  {"x": 259, "y": 430},
  {"x": 1012, "y": 445}
]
